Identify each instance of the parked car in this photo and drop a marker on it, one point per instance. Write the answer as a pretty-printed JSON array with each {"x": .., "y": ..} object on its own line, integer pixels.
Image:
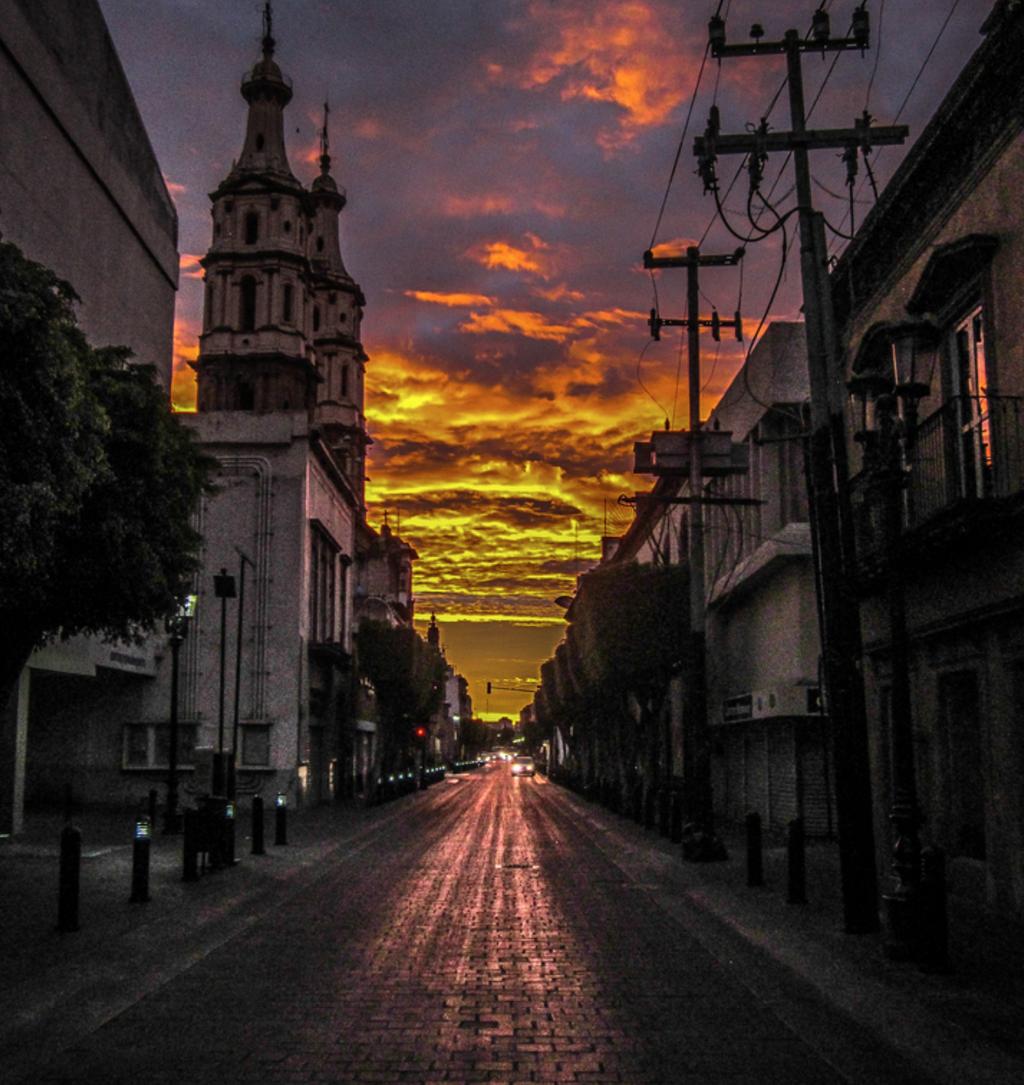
[{"x": 522, "y": 765}]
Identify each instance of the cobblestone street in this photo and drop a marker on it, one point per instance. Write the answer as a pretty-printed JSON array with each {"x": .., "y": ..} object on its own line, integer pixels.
[{"x": 487, "y": 936}]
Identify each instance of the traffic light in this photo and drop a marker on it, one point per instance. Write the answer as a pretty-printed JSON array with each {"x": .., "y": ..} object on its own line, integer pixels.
[{"x": 419, "y": 733}]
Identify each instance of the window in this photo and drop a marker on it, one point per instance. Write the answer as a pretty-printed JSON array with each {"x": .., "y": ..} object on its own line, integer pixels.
[
  {"x": 289, "y": 302},
  {"x": 252, "y": 228},
  {"x": 246, "y": 396},
  {"x": 287, "y": 227},
  {"x": 259, "y": 141},
  {"x": 970, "y": 387},
  {"x": 255, "y": 744},
  {"x": 323, "y": 571},
  {"x": 344, "y": 382},
  {"x": 319, "y": 244},
  {"x": 148, "y": 745},
  {"x": 247, "y": 306},
  {"x": 316, "y": 318},
  {"x": 275, "y": 203}
]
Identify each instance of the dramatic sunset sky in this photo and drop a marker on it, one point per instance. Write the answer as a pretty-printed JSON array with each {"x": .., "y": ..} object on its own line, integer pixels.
[{"x": 505, "y": 162}]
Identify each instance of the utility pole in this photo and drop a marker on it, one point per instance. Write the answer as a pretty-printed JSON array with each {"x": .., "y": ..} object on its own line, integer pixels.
[
  {"x": 698, "y": 803},
  {"x": 830, "y": 497}
]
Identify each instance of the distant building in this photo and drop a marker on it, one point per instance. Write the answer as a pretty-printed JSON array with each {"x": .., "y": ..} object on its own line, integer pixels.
[{"x": 82, "y": 193}]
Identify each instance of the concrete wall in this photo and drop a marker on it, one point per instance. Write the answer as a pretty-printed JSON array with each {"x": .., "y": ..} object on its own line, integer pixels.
[{"x": 80, "y": 189}]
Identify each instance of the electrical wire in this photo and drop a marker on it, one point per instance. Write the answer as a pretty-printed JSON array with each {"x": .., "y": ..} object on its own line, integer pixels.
[
  {"x": 682, "y": 143},
  {"x": 639, "y": 380},
  {"x": 903, "y": 105},
  {"x": 878, "y": 55}
]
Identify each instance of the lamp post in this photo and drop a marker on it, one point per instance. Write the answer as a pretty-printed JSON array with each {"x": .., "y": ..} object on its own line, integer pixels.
[
  {"x": 233, "y": 760},
  {"x": 887, "y": 404},
  {"x": 177, "y": 628},
  {"x": 223, "y": 589}
]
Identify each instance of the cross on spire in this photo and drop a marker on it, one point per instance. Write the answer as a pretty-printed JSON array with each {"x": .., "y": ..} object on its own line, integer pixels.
[
  {"x": 268, "y": 29},
  {"x": 325, "y": 144}
]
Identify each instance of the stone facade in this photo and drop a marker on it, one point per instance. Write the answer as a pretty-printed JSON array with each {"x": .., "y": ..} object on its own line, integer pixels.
[{"x": 944, "y": 246}]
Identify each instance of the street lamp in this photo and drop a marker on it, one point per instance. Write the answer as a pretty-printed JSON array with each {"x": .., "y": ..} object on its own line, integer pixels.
[
  {"x": 177, "y": 628},
  {"x": 223, "y": 589},
  {"x": 886, "y": 404}
]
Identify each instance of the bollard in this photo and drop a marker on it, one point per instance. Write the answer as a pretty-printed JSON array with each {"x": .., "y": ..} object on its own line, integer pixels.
[
  {"x": 257, "y": 825},
  {"x": 796, "y": 890},
  {"x": 280, "y": 819},
  {"x": 229, "y": 834},
  {"x": 190, "y": 846},
  {"x": 755, "y": 855},
  {"x": 933, "y": 932},
  {"x": 140, "y": 861},
  {"x": 664, "y": 800},
  {"x": 675, "y": 833},
  {"x": 70, "y": 871}
]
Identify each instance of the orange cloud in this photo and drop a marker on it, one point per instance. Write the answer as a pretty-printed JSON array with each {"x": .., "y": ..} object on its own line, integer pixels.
[
  {"x": 189, "y": 265},
  {"x": 557, "y": 293},
  {"x": 183, "y": 378},
  {"x": 501, "y": 254},
  {"x": 455, "y": 301},
  {"x": 516, "y": 322},
  {"x": 611, "y": 51}
]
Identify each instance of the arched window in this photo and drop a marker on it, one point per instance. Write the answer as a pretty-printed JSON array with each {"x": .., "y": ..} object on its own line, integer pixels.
[
  {"x": 259, "y": 141},
  {"x": 252, "y": 228},
  {"x": 319, "y": 244},
  {"x": 316, "y": 318},
  {"x": 247, "y": 307},
  {"x": 344, "y": 382},
  {"x": 289, "y": 303}
]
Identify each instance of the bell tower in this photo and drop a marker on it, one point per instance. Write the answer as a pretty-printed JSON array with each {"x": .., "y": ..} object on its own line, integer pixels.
[
  {"x": 337, "y": 311},
  {"x": 255, "y": 353}
]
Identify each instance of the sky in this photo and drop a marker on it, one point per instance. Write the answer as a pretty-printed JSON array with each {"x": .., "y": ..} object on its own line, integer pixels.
[{"x": 507, "y": 163}]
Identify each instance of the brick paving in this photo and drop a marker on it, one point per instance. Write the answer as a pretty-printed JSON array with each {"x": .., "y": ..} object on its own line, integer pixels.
[{"x": 484, "y": 937}]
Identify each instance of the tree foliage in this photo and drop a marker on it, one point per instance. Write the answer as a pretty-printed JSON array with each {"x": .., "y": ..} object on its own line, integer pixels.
[
  {"x": 98, "y": 479},
  {"x": 407, "y": 675}
]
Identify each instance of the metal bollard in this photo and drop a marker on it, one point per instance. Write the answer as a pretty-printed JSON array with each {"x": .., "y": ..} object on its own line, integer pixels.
[
  {"x": 190, "y": 846},
  {"x": 70, "y": 876},
  {"x": 755, "y": 854},
  {"x": 280, "y": 819},
  {"x": 933, "y": 935},
  {"x": 796, "y": 890},
  {"x": 229, "y": 834},
  {"x": 140, "y": 862},
  {"x": 675, "y": 829},
  {"x": 257, "y": 826}
]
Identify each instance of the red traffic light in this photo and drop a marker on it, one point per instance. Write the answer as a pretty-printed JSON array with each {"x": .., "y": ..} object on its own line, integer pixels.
[{"x": 419, "y": 732}]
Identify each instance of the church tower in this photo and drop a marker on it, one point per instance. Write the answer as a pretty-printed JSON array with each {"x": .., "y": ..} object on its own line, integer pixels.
[{"x": 281, "y": 316}]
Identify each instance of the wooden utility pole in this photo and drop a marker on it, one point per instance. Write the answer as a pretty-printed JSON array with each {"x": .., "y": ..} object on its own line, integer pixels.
[
  {"x": 698, "y": 804},
  {"x": 830, "y": 497}
]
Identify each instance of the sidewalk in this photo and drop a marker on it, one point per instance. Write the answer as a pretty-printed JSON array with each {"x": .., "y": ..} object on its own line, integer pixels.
[
  {"x": 967, "y": 1026},
  {"x": 58, "y": 987}
]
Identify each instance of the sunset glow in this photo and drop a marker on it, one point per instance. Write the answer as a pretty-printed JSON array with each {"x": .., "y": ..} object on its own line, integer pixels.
[{"x": 504, "y": 174}]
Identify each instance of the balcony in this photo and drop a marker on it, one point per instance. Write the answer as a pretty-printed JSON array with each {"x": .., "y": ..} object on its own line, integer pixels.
[{"x": 965, "y": 473}]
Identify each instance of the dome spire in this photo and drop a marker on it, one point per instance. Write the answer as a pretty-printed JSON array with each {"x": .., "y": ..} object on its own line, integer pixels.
[
  {"x": 268, "y": 30},
  {"x": 325, "y": 143}
]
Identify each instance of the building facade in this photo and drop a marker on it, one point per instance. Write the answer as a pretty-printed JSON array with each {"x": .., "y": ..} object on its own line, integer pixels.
[
  {"x": 82, "y": 193},
  {"x": 937, "y": 265},
  {"x": 266, "y": 674}
]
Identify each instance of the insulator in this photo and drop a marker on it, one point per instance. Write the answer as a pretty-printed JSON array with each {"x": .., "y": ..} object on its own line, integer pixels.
[
  {"x": 716, "y": 326},
  {"x": 716, "y": 34},
  {"x": 820, "y": 25},
  {"x": 739, "y": 326},
  {"x": 757, "y": 31},
  {"x": 655, "y": 325}
]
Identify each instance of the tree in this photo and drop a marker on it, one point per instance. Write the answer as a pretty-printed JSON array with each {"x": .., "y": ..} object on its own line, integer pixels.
[
  {"x": 98, "y": 479},
  {"x": 408, "y": 677}
]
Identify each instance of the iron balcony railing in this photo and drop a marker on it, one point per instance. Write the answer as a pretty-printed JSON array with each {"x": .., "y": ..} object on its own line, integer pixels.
[{"x": 970, "y": 450}]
